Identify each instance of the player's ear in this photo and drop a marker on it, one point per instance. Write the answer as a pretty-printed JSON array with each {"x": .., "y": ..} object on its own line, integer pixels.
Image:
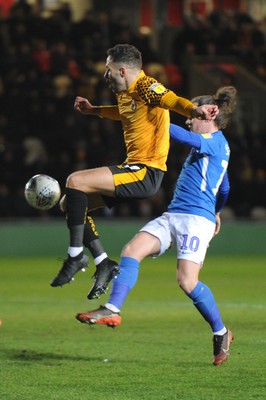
[{"x": 122, "y": 71}]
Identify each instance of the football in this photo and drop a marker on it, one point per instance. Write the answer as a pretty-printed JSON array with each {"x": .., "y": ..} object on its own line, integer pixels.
[{"x": 42, "y": 192}]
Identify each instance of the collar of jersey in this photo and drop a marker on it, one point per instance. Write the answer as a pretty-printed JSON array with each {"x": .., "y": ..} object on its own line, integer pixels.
[{"x": 133, "y": 84}]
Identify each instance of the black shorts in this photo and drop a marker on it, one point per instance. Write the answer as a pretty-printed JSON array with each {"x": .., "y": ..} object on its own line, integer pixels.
[{"x": 134, "y": 182}]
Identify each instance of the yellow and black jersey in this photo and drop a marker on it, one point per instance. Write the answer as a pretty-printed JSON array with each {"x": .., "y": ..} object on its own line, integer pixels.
[{"x": 143, "y": 111}]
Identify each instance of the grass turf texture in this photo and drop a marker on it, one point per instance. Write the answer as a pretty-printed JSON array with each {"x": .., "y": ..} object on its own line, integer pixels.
[{"x": 162, "y": 350}]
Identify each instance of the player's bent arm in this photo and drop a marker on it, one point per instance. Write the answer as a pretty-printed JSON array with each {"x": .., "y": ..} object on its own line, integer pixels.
[
  {"x": 110, "y": 112},
  {"x": 222, "y": 196},
  {"x": 182, "y": 106},
  {"x": 84, "y": 106},
  {"x": 182, "y": 135},
  {"x": 218, "y": 224},
  {"x": 185, "y": 107},
  {"x": 223, "y": 193}
]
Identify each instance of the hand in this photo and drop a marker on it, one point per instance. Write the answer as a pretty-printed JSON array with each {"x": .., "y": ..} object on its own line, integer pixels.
[
  {"x": 218, "y": 224},
  {"x": 207, "y": 112},
  {"x": 83, "y": 106}
]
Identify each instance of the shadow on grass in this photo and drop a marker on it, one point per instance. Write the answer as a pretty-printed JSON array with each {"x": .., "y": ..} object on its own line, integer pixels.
[
  {"x": 48, "y": 358},
  {"x": 28, "y": 355}
]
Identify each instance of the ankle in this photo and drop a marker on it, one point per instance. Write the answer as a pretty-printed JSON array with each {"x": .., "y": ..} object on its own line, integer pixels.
[{"x": 75, "y": 252}]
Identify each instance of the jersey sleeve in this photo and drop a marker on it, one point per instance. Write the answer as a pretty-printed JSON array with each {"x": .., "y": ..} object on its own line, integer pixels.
[
  {"x": 155, "y": 94},
  {"x": 151, "y": 91},
  {"x": 178, "y": 104},
  {"x": 208, "y": 144},
  {"x": 184, "y": 136},
  {"x": 223, "y": 193},
  {"x": 110, "y": 112}
]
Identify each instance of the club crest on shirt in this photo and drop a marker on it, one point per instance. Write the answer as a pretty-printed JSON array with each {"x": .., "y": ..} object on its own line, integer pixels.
[
  {"x": 207, "y": 135},
  {"x": 133, "y": 105},
  {"x": 158, "y": 88}
]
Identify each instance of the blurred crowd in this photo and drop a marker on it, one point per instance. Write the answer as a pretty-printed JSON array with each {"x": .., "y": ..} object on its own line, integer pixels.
[{"x": 47, "y": 61}]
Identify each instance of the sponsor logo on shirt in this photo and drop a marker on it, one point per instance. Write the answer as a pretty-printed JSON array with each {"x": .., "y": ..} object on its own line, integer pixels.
[
  {"x": 207, "y": 135},
  {"x": 158, "y": 88}
]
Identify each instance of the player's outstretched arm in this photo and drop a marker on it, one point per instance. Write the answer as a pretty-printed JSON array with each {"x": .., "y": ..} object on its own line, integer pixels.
[
  {"x": 185, "y": 107},
  {"x": 85, "y": 107}
]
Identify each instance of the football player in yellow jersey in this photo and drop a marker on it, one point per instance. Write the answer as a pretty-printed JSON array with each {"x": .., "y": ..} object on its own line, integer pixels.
[{"x": 143, "y": 106}]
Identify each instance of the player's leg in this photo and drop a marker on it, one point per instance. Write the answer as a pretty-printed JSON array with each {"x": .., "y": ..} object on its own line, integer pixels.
[
  {"x": 134, "y": 181},
  {"x": 141, "y": 246},
  {"x": 80, "y": 186},
  {"x": 193, "y": 239},
  {"x": 106, "y": 269},
  {"x": 83, "y": 192},
  {"x": 152, "y": 240},
  {"x": 200, "y": 294},
  {"x": 204, "y": 301}
]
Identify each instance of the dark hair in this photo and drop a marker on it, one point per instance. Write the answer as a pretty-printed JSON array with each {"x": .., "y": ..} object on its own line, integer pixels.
[
  {"x": 126, "y": 54},
  {"x": 225, "y": 98}
]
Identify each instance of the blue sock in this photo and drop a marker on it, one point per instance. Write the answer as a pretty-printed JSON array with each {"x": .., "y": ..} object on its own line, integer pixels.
[
  {"x": 129, "y": 271},
  {"x": 204, "y": 301}
]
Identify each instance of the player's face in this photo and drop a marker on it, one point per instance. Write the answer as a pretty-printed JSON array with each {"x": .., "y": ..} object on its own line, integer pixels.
[
  {"x": 190, "y": 121},
  {"x": 194, "y": 124},
  {"x": 114, "y": 76}
]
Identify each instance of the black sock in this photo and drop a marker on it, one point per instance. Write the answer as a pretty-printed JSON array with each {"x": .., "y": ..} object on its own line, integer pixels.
[
  {"x": 91, "y": 238},
  {"x": 76, "y": 208}
]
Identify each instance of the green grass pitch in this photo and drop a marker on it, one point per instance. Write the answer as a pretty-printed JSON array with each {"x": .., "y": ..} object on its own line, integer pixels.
[{"x": 162, "y": 350}]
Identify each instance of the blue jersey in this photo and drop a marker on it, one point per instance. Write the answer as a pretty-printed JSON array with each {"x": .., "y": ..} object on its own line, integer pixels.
[{"x": 202, "y": 173}]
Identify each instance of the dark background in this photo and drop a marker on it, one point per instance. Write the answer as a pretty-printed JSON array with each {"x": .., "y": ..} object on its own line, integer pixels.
[{"x": 48, "y": 57}]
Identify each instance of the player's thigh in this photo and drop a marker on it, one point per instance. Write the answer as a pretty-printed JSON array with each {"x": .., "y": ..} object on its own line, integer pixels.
[
  {"x": 142, "y": 245},
  {"x": 97, "y": 180},
  {"x": 193, "y": 234},
  {"x": 159, "y": 229}
]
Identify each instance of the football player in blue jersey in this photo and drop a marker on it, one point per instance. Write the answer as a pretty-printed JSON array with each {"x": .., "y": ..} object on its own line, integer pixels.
[{"x": 191, "y": 220}]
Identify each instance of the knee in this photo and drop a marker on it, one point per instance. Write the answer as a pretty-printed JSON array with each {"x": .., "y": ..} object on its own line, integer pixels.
[
  {"x": 73, "y": 181},
  {"x": 127, "y": 251},
  {"x": 133, "y": 250},
  {"x": 185, "y": 283},
  {"x": 62, "y": 204}
]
